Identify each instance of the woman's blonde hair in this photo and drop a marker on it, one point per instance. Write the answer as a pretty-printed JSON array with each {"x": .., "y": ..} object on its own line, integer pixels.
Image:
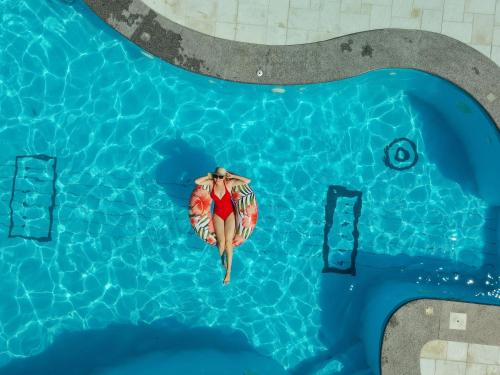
[{"x": 224, "y": 169}]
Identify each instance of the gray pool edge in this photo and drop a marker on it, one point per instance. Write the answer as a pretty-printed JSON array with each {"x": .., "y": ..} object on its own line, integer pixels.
[
  {"x": 417, "y": 322},
  {"x": 329, "y": 60}
]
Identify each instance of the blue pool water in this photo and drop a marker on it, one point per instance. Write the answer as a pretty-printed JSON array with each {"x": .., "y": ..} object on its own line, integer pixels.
[{"x": 98, "y": 260}]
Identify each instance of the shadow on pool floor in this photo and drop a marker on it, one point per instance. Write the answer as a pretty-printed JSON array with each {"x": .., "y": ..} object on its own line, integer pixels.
[
  {"x": 181, "y": 164},
  {"x": 164, "y": 347}
]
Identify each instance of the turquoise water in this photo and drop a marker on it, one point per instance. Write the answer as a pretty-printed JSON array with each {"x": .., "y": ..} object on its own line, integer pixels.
[{"x": 130, "y": 133}]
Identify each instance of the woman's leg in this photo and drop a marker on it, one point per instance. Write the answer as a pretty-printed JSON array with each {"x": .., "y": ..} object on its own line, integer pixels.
[
  {"x": 219, "y": 235},
  {"x": 229, "y": 227}
]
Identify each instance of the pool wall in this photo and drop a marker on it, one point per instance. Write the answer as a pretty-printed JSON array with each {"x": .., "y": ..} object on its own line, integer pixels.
[{"x": 458, "y": 130}]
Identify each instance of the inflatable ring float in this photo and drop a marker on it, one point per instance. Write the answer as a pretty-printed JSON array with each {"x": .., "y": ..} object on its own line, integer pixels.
[{"x": 245, "y": 210}]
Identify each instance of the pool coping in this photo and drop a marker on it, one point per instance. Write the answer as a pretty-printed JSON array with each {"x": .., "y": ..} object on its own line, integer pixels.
[
  {"x": 329, "y": 60},
  {"x": 417, "y": 322}
]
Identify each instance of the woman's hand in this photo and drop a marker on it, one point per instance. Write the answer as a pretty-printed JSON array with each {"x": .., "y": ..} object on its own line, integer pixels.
[
  {"x": 209, "y": 175},
  {"x": 237, "y": 180}
]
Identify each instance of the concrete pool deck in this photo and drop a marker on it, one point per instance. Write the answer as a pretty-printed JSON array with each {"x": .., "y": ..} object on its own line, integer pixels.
[
  {"x": 280, "y": 22},
  {"x": 434, "y": 337}
]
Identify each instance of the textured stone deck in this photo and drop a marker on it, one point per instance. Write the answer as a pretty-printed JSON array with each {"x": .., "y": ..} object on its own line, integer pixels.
[
  {"x": 428, "y": 337},
  {"x": 280, "y": 22}
]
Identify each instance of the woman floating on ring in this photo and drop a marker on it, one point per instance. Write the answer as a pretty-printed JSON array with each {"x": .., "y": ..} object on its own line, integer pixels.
[{"x": 220, "y": 184}]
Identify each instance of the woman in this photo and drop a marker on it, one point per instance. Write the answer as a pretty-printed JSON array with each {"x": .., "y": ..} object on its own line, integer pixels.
[{"x": 221, "y": 182}]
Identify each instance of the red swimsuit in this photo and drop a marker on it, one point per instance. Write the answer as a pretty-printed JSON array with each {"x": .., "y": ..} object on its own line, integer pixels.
[{"x": 223, "y": 207}]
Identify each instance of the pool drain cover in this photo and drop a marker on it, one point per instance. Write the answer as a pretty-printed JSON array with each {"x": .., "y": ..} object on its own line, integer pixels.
[{"x": 400, "y": 154}]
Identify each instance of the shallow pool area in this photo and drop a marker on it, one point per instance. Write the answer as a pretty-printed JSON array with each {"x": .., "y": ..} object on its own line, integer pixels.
[{"x": 100, "y": 146}]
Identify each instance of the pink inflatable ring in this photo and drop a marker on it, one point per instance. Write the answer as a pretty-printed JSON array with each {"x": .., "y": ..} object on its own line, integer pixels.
[{"x": 245, "y": 210}]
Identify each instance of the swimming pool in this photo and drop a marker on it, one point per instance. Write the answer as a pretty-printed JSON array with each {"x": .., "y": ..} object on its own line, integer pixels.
[{"x": 123, "y": 135}]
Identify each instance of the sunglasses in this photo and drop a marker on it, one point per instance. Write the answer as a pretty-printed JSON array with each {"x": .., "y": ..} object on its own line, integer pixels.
[{"x": 218, "y": 176}]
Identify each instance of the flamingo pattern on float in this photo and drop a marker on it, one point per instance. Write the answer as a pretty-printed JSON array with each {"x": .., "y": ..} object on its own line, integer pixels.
[{"x": 245, "y": 209}]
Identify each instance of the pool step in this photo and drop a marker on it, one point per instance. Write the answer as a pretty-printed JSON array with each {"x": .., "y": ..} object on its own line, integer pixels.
[{"x": 340, "y": 246}]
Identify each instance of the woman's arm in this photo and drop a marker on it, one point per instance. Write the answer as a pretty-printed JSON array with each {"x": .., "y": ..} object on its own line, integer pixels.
[
  {"x": 237, "y": 180},
  {"x": 204, "y": 180}
]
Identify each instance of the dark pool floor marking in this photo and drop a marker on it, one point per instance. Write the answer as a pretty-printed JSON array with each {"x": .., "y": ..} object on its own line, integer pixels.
[
  {"x": 33, "y": 197},
  {"x": 340, "y": 244},
  {"x": 400, "y": 154}
]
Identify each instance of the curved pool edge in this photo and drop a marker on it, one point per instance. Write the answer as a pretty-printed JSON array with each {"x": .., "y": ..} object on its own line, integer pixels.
[
  {"x": 329, "y": 60},
  {"x": 419, "y": 321}
]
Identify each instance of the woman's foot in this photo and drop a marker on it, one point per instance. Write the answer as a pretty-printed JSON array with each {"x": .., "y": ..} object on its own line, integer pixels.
[{"x": 227, "y": 279}]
